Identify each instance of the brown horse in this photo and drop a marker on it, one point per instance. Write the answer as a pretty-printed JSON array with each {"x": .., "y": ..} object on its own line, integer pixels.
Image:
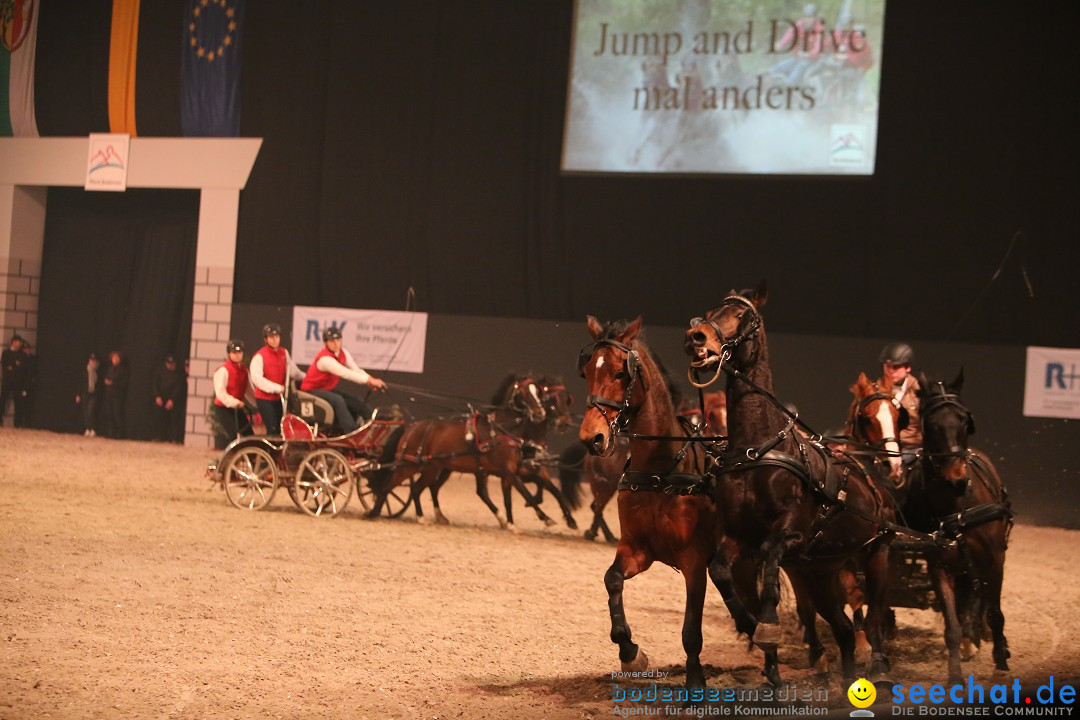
[
  {"x": 957, "y": 489},
  {"x": 480, "y": 443},
  {"x": 665, "y": 509},
  {"x": 781, "y": 499}
]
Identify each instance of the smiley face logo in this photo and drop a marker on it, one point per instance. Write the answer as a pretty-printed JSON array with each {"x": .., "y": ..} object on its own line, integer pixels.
[{"x": 862, "y": 693}]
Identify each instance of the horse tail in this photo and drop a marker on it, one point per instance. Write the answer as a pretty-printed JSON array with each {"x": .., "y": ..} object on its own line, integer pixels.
[
  {"x": 571, "y": 461},
  {"x": 380, "y": 479}
]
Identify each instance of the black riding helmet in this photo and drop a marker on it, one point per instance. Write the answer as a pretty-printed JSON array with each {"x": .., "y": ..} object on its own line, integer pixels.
[
  {"x": 271, "y": 329},
  {"x": 897, "y": 353},
  {"x": 331, "y": 333},
  {"x": 234, "y": 345}
]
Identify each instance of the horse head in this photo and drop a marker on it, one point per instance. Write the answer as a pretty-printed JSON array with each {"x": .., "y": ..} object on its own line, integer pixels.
[
  {"x": 726, "y": 334},
  {"x": 612, "y": 368},
  {"x": 521, "y": 393},
  {"x": 947, "y": 423},
  {"x": 875, "y": 419},
  {"x": 557, "y": 401}
]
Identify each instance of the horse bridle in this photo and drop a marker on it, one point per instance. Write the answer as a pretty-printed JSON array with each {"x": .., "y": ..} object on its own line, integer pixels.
[
  {"x": 518, "y": 403},
  {"x": 860, "y": 420},
  {"x": 943, "y": 400},
  {"x": 632, "y": 368},
  {"x": 727, "y": 345}
]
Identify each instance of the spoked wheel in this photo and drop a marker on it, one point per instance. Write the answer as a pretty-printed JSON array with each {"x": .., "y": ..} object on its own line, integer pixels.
[
  {"x": 395, "y": 502},
  {"x": 250, "y": 478},
  {"x": 324, "y": 483}
]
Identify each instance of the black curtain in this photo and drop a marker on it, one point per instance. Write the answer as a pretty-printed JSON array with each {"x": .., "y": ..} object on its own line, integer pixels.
[{"x": 118, "y": 273}]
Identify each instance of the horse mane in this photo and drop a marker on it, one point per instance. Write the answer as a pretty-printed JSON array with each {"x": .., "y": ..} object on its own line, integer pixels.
[
  {"x": 615, "y": 328},
  {"x": 502, "y": 395}
]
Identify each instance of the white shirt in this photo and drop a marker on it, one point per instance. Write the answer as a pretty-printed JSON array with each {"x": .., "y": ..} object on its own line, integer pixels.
[
  {"x": 221, "y": 382},
  {"x": 349, "y": 371},
  {"x": 269, "y": 386}
]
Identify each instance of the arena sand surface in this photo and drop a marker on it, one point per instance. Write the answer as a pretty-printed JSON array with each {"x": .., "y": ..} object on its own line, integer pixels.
[{"x": 128, "y": 589}]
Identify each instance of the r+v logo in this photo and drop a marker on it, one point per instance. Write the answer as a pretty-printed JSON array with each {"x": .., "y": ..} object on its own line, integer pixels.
[
  {"x": 314, "y": 330},
  {"x": 1056, "y": 377}
]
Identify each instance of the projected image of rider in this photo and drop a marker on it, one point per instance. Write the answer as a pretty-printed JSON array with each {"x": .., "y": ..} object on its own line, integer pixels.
[
  {"x": 896, "y": 359},
  {"x": 331, "y": 365}
]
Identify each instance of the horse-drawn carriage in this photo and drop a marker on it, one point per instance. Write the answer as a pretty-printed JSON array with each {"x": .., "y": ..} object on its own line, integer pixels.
[
  {"x": 318, "y": 472},
  {"x": 392, "y": 461}
]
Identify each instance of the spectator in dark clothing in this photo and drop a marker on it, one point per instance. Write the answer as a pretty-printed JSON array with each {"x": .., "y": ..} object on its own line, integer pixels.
[
  {"x": 87, "y": 397},
  {"x": 24, "y": 394},
  {"x": 116, "y": 382},
  {"x": 169, "y": 387},
  {"x": 11, "y": 363}
]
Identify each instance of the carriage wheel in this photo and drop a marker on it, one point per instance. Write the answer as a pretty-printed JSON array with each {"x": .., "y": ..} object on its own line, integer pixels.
[
  {"x": 396, "y": 501},
  {"x": 324, "y": 483},
  {"x": 250, "y": 478}
]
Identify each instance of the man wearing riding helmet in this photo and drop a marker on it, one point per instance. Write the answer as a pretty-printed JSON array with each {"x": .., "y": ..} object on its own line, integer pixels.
[
  {"x": 896, "y": 359},
  {"x": 331, "y": 365},
  {"x": 269, "y": 365},
  {"x": 231, "y": 382}
]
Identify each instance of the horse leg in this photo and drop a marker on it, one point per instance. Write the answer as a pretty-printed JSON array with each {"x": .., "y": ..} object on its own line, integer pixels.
[
  {"x": 608, "y": 535},
  {"x": 693, "y": 568},
  {"x": 856, "y": 601},
  {"x": 828, "y": 597},
  {"x": 804, "y": 606},
  {"x": 482, "y": 491},
  {"x": 512, "y": 479},
  {"x": 876, "y": 566},
  {"x": 627, "y": 564},
  {"x": 544, "y": 481},
  {"x": 722, "y": 577},
  {"x": 444, "y": 475},
  {"x": 944, "y": 585},
  {"x": 994, "y": 617},
  {"x": 419, "y": 485}
]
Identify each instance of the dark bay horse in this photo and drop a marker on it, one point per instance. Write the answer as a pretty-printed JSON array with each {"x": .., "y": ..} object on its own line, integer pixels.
[
  {"x": 481, "y": 443},
  {"x": 957, "y": 489},
  {"x": 783, "y": 500},
  {"x": 666, "y": 512}
]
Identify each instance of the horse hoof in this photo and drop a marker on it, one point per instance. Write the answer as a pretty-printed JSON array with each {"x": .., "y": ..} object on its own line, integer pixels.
[
  {"x": 968, "y": 650},
  {"x": 502, "y": 521},
  {"x": 423, "y": 520},
  {"x": 638, "y": 664},
  {"x": 571, "y": 523},
  {"x": 513, "y": 528},
  {"x": 768, "y": 636},
  {"x": 862, "y": 648},
  {"x": 821, "y": 667},
  {"x": 548, "y": 522},
  {"x": 590, "y": 535}
]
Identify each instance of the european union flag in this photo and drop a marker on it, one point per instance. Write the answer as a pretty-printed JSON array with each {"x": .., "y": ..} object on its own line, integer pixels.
[{"x": 210, "y": 68}]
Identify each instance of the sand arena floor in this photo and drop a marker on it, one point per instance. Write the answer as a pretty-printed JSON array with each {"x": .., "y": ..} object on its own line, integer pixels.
[{"x": 129, "y": 589}]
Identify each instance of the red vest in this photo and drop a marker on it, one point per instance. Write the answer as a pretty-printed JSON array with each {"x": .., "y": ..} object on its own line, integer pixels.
[
  {"x": 273, "y": 370},
  {"x": 237, "y": 382},
  {"x": 316, "y": 379}
]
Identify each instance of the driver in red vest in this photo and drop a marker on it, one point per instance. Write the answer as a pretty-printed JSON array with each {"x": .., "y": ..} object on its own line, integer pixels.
[
  {"x": 331, "y": 365},
  {"x": 269, "y": 366},
  {"x": 230, "y": 385}
]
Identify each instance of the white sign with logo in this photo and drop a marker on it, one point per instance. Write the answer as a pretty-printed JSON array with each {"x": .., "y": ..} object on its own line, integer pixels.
[
  {"x": 107, "y": 162},
  {"x": 378, "y": 340},
  {"x": 1052, "y": 385}
]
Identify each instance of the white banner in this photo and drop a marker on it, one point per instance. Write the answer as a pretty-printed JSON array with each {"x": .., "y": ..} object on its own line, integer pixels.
[
  {"x": 107, "y": 162},
  {"x": 378, "y": 340},
  {"x": 1052, "y": 386}
]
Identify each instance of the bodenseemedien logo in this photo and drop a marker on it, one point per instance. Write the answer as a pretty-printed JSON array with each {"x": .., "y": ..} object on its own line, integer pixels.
[{"x": 862, "y": 694}]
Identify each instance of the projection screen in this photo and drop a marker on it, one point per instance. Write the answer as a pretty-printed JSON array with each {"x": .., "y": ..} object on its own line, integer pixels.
[{"x": 706, "y": 86}]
